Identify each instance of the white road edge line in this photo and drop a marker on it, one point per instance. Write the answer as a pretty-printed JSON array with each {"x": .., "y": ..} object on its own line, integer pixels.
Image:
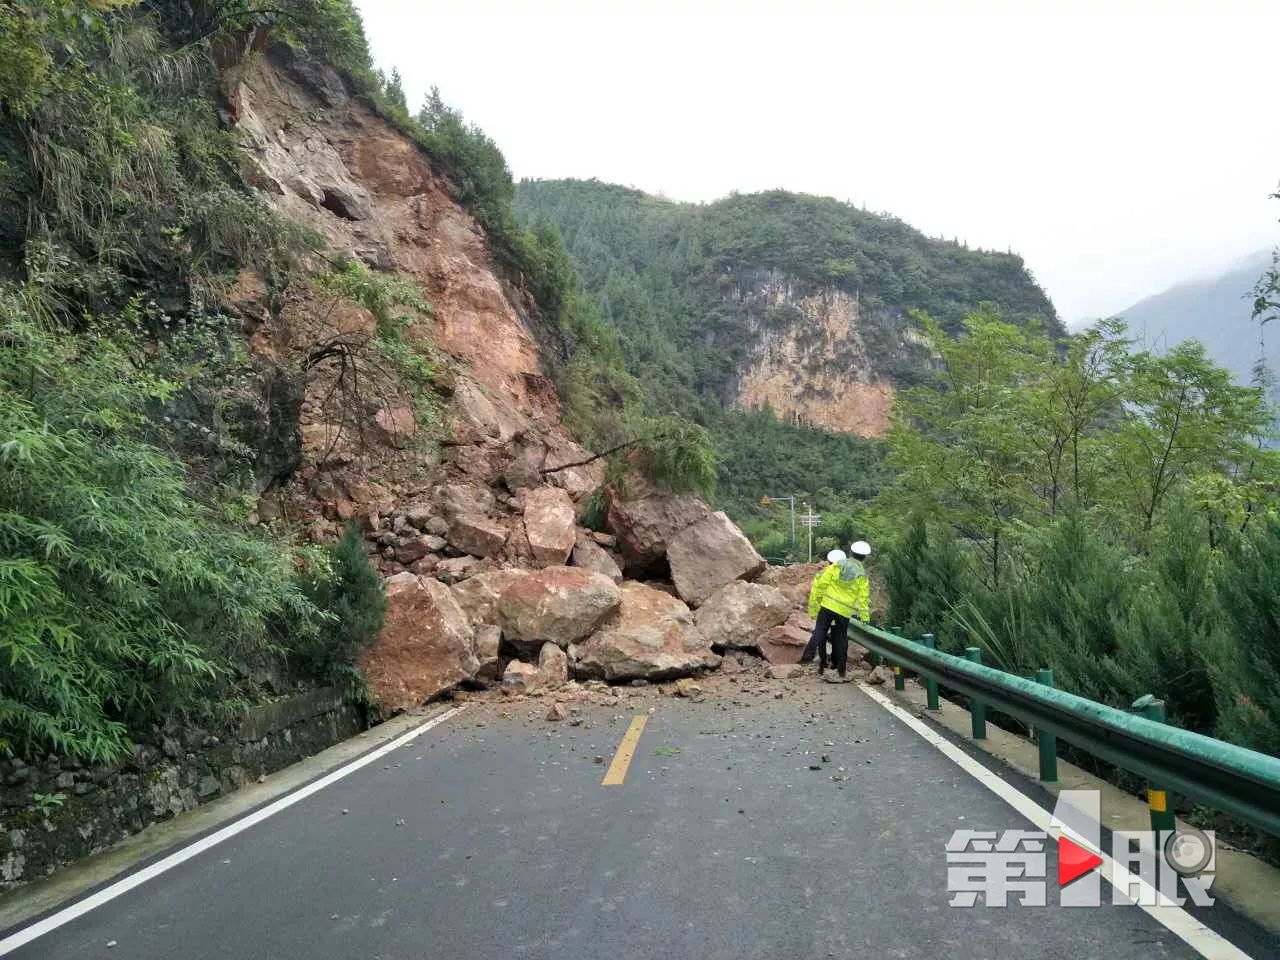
[
  {"x": 124, "y": 885},
  {"x": 1206, "y": 942}
]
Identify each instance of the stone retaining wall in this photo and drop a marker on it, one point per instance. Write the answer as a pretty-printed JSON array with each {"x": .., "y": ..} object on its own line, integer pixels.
[{"x": 88, "y": 808}]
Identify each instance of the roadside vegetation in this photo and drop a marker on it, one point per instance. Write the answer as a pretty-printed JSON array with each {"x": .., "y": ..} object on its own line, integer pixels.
[
  {"x": 1107, "y": 512},
  {"x": 133, "y": 587}
]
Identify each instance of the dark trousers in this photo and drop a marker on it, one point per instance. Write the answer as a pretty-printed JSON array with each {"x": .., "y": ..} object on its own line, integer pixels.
[{"x": 829, "y": 625}]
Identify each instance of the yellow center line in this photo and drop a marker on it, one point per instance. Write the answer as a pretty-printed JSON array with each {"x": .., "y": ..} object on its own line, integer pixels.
[{"x": 617, "y": 771}]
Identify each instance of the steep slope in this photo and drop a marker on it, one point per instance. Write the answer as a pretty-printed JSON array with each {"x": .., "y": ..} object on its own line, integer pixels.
[
  {"x": 1215, "y": 310},
  {"x": 326, "y": 160},
  {"x": 793, "y": 303}
]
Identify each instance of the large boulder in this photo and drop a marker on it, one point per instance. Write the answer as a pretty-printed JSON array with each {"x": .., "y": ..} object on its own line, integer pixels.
[
  {"x": 477, "y": 416},
  {"x": 651, "y": 638},
  {"x": 477, "y": 535},
  {"x": 456, "y": 499},
  {"x": 645, "y": 524},
  {"x": 457, "y": 569},
  {"x": 548, "y": 523},
  {"x": 557, "y": 605},
  {"x": 794, "y": 581},
  {"x": 578, "y": 480},
  {"x": 478, "y": 595},
  {"x": 425, "y": 646},
  {"x": 709, "y": 554},
  {"x": 786, "y": 642},
  {"x": 738, "y": 613},
  {"x": 589, "y": 555}
]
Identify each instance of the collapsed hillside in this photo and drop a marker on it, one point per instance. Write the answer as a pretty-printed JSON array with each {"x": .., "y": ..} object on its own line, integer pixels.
[{"x": 246, "y": 303}]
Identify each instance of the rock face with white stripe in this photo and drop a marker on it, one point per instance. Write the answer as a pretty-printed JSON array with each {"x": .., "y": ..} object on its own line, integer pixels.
[
  {"x": 651, "y": 638},
  {"x": 426, "y": 644}
]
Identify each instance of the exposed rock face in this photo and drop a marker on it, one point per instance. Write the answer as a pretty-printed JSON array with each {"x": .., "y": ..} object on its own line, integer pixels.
[
  {"x": 557, "y": 605},
  {"x": 709, "y": 554},
  {"x": 548, "y": 523},
  {"x": 591, "y": 556},
  {"x": 477, "y": 535},
  {"x": 652, "y": 638},
  {"x": 326, "y": 160},
  {"x": 738, "y": 613},
  {"x": 478, "y": 595},
  {"x": 814, "y": 369},
  {"x": 786, "y": 642},
  {"x": 425, "y": 647},
  {"x": 645, "y": 524}
]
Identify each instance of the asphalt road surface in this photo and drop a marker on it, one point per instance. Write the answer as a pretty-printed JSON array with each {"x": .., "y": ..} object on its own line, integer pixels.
[{"x": 491, "y": 836}]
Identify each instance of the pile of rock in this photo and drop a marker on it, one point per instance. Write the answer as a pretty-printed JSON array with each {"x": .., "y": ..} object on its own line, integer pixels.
[{"x": 533, "y": 599}]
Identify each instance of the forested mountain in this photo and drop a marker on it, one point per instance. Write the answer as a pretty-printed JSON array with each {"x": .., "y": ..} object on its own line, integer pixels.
[
  {"x": 793, "y": 306},
  {"x": 1216, "y": 310}
]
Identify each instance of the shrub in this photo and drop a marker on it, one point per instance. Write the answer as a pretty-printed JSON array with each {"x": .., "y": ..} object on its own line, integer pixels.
[
  {"x": 1246, "y": 661},
  {"x": 122, "y": 598},
  {"x": 926, "y": 576},
  {"x": 350, "y": 591}
]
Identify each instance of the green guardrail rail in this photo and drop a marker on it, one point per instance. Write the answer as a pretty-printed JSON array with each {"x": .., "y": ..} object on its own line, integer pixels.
[{"x": 1232, "y": 779}]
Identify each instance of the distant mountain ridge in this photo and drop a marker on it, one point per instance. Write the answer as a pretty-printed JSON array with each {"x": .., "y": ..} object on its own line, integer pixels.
[
  {"x": 788, "y": 302},
  {"x": 1216, "y": 310}
]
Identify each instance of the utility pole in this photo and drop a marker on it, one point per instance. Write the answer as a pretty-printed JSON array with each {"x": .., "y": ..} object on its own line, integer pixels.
[
  {"x": 791, "y": 501},
  {"x": 810, "y": 520}
]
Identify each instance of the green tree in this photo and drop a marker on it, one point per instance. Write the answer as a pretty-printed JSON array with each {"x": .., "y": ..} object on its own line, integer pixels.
[
  {"x": 350, "y": 591},
  {"x": 963, "y": 447},
  {"x": 1183, "y": 418}
]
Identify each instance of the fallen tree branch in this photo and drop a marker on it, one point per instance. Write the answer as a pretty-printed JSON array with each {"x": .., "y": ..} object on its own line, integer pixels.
[{"x": 606, "y": 453}]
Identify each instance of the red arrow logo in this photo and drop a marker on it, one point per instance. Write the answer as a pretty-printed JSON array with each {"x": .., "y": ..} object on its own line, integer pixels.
[{"x": 1074, "y": 861}]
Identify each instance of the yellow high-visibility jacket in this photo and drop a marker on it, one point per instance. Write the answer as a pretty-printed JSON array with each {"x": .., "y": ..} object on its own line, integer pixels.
[{"x": 842, "y": 588}]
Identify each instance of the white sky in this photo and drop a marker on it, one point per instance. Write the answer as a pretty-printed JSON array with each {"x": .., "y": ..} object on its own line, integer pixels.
[{"x": 1120, "y": 147}]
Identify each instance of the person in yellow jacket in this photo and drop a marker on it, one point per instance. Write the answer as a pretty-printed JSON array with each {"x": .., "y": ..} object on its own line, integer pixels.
[{"x": 839, "y": 592}]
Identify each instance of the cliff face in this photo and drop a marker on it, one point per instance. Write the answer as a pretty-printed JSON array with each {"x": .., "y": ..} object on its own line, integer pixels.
[
  {"x": 806, "y": 358},
  {"x": 799, "y": 303}
]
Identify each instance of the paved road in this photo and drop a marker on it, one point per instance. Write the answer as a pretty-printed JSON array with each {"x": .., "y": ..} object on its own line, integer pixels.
[{"x": 492, "y": 837}]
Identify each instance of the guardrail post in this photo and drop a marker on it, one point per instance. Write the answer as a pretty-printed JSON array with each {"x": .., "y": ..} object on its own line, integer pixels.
[
  {"x": 1159, "y": 802},
  {"x": 930, "y": 685},
  {"x": 1048, "y": 741},
  {"x": 977, "y": 709},
  {"x": 898, "y": 677}
]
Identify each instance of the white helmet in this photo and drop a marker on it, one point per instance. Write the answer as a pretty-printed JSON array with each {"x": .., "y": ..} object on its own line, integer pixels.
[
  {"x": 861, "y": 549},
  {"x": 835, "y": 556}
]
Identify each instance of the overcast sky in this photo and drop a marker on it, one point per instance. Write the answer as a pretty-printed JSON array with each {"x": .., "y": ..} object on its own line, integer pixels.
[{"x": 1119, "y": 146}]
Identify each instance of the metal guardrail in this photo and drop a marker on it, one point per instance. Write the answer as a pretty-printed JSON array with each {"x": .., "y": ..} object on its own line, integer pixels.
[{"x": 1232, "y": 779}]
